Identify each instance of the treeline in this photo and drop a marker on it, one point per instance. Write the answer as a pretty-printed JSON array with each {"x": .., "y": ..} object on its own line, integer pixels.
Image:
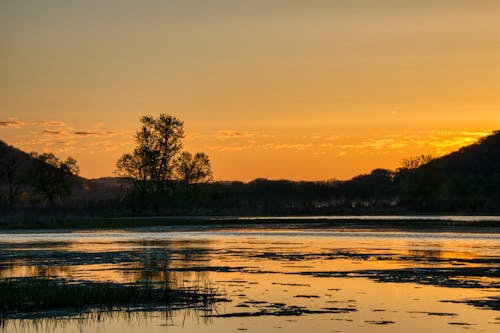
[
  {"x": 159, "y": 178},
  {"x": 466, "y": 181}
]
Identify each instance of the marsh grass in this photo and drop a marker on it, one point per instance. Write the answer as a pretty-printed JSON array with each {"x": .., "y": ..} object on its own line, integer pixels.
[
  {"x": 130, "y": 316},
  {"x": 40, "y": 297}
]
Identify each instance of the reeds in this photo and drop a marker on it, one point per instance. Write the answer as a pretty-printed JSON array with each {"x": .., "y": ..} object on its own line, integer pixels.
[{"x": 24, "y": 296}]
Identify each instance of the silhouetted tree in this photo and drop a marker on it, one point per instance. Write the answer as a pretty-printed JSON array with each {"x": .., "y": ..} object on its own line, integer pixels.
[
  {"x": 157, "y": 164},
  {"x": 194, "y": 169},
  {"x": 51, "y": 177},
  {"x": 11, "y": 169},
  {"x": 410, "y": 164},
  {"x": 426, "y": 184},
  {"x": 150, "y": 167}
]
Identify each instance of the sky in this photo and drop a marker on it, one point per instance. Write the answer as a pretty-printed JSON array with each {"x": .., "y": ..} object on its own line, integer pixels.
[{"x": 301, "y": 90}]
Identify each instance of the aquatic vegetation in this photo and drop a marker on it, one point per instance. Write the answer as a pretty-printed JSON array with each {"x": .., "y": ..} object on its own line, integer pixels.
[
  {"x": 492, "y": 302},
  {"x": 281, "y": 309},
  {"x": 38, "y": 297}
]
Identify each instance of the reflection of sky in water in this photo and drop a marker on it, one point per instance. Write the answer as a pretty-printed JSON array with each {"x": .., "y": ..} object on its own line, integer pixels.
[{"x": 311, "y": 269}]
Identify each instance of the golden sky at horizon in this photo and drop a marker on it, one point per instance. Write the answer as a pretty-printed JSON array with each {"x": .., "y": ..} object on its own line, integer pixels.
[{"x": 277, "y": 89}]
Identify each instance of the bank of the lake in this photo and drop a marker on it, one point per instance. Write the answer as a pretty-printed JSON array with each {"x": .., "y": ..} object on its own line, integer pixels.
[{"x": 469, "y": 223}]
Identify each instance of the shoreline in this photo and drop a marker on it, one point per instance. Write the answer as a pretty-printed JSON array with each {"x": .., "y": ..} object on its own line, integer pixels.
[{"x": 482, "y": 224}]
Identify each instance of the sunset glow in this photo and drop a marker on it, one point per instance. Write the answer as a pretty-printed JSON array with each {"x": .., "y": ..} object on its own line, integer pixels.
[{"x": 275, "y": 89}]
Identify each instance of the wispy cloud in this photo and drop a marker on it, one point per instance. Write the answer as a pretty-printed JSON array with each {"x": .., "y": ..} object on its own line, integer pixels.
[
  {"x": 223, "y": 134},
  {"x": 434, "y": 142},
  {"x": 50, "y": 132},
  {"x": 63, "y": 138},
  {"x": 221, "y": 148},
  {"x": 84, "y": 133},
  {"x": 14, "y": 123},
  {"x": 71, "y": 133},
  {"x": 260, "y": 147},
  {"x": 289, "y": 146},
  {"x": 11, "y": 123},
  {"x": 50, "y": 123}
]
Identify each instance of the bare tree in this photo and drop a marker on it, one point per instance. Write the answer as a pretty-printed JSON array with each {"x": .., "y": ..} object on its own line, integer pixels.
[
  {"x": 412, "y": 163},
  {"x": 157, "y": 163},
  {"x": 194, "y": 169},
  {"x": 151, "y": 165}
]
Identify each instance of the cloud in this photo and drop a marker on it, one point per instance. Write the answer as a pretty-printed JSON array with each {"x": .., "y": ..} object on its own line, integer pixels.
[
  {"x": 49, "y": 132},
  {"x": 84, "y": 133},
  {"x": 51, "y": 123},
  {"x": 32, "y": 123},
  {"x": 371, "y": 144},
  {"x": 434, "y": 142},
  {"x": 331, "y": 137},
  {"x": 259, "y": 147},
  {"x": 226, "y": 148},
  {"x": 11, "y": 123},
  {"x": 68, "y": 134},
  {"x": 291, "y": 146},
  {"x": 100, "y": 134},
  {"x": 233, "y": 134}
]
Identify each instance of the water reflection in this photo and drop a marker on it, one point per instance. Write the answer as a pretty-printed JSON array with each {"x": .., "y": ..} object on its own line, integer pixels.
[
  {"x": 133, "y": 319},
  {"x": 360, "y": 281},
  {"x": 107, "y": 262}
]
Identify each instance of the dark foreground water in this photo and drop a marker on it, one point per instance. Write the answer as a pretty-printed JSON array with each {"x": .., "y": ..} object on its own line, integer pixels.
[{"x": 275, "y": 280}]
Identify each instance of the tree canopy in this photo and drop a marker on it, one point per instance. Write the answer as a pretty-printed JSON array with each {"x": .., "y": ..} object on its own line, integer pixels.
[
  {"x": 193, "y": 169},
  {"x": 157, "y": 162},
  {"x": 51, "y": 177}
]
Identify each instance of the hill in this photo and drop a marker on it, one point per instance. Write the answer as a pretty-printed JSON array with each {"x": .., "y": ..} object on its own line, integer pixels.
[
  {"x": 16, "y": 167},
  {"x": 481, "y": 158}
]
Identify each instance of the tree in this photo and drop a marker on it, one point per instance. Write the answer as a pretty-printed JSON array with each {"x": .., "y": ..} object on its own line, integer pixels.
[
  {"x": 195, "y": 169},
  {"x": 409, "y": 165},
  {"x": 157, "y": 162},
  {"x": 51, "y": 177},
  {"x": 151, "y": 166},
  {"x": 412, "y": 163},
  {"x": 11, "y": 169}
]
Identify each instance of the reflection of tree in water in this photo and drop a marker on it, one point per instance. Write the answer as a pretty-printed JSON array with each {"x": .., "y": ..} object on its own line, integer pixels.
[
  {"x": 145, "y": 261},
  {"x": 418, "y": 254},
  {"x": 427, "y": 254},
  {"x": 160, "y": 262},
  {"x": 150, "y": 265},
  {"x": 435, "y": 255},
  {"x": 20, "y": 269}
]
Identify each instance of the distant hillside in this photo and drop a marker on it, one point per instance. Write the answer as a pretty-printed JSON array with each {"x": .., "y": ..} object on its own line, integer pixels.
[
  {"x": 15, "y": 155},
  {"x": 481, "y": 158},
  {"x": 81, "y": 188},
  {"x": 466, "y": 180}
]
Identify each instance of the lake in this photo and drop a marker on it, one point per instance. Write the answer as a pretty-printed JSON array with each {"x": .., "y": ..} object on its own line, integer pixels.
[{"x": 274, "y": 279}]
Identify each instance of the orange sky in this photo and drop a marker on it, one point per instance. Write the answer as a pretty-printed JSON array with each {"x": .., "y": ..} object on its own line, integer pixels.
[{"x": 277, "y": 89}]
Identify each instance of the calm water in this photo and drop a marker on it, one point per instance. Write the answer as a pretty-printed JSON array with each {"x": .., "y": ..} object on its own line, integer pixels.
[{"x": 320, "y": 280}]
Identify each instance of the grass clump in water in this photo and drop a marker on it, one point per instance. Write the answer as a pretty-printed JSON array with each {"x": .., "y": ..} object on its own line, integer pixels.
[{"x": 30, "y": 295}]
